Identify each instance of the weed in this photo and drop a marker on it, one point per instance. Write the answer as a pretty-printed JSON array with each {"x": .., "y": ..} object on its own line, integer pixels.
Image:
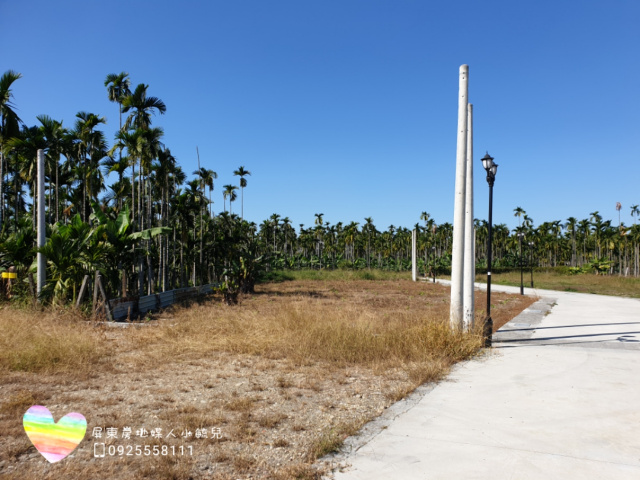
[
  {"x": 48, "y": 342},
  {"x": 280, "y": 443},
  {"x": 240, "y": 404},
  {"x": 270, "y": 421},
  {"x": 332, "y": 439}
]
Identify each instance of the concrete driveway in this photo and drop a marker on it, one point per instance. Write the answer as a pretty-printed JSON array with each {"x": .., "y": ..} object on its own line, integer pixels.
[{"x": 557, "y": 397}]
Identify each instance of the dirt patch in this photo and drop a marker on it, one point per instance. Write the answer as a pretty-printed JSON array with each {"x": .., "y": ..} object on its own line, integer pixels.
[{"x": 257, "y": 400}]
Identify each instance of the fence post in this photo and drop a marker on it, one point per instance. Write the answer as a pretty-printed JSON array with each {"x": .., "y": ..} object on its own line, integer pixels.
[
  {"x": 95, "y": 293},
  {"x": 83, "y": 289},
  {"x": 107, "y": 309}
]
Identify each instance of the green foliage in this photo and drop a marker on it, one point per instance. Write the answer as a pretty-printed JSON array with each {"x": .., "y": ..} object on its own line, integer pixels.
[
  {"x": 599, "y": 266},
  {"x": 239, "y": 255},
  {"x": 577, "y": 271},
  {"x": 72, "y": 251},
  {"x": 16, "y": 250}
]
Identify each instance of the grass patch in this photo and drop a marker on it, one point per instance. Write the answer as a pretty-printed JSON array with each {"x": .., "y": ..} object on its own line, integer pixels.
[
  {"x": 332, "y": 439},
  {"x": 333, "y": 275},
  {"x": 20, "y": 402},
  {"x": 584, "y": 283},
  {"x": 338, "y": 322},
  {"x": 50, "y": 341}
]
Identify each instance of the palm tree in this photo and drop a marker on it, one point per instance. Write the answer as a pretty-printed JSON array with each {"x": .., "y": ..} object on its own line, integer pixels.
[
  {"x": 206, "y": 180},
  {"x": 55, "y": 137},
  {"x": 9, "y": 124},
  {"x": 118, "y": 88},
  {"x": 143, "y": 107},
  {"x": 369, "y": 228},
  {"x": 635, "y": 211},
  {"x": 584, "y": 228},
  {"x": 570, "y": 226},
  {"x": 132, "y": 141},
  {"x": 26, "y": 146},
  {"x": 229, "y": 191},
  {"x": 519, "y": 212},
  {"x": 168, "y": 174},
  {"x": 286, "y": 230},
  {"x": 275, "y": 223},
  {"x": 241, "y": 172},
  {"x": 150, "y": 147},
  {"x": 596, "y": 222},
  {"x": 618, "y": 208},
  {"x": 90, "y": 141}
]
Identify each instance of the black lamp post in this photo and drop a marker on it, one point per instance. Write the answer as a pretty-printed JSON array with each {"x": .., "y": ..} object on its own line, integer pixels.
[
  {"x": 433, "y": 263},
  {"x": 491, "y": 168},
  {"x": 520, "y": 237},
  {"x": 531, "y": 261}
]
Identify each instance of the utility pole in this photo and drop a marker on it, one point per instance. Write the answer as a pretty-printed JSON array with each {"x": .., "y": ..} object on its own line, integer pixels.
[
  {"x": 41, "y": 234},
  {"x": 457, "y": 257},
  {"x": 469, "y": 232},
  {"x": 414, "y": 255}
]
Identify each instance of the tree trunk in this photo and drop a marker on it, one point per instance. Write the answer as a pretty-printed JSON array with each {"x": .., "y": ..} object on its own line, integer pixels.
[
  {"x": 1, "y": 184},
  {"x": 150, "y": 274},
  {"x": 133, "y": 193},
  {"x": 57, "y": 192},
  {"x": 140, "y": 275}
]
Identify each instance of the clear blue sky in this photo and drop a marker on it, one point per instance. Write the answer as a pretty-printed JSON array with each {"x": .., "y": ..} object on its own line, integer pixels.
[{"x": 349, "y": 107}]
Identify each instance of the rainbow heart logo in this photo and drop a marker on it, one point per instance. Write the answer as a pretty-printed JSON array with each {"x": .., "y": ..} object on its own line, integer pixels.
[{"x": 54, "y": 440}]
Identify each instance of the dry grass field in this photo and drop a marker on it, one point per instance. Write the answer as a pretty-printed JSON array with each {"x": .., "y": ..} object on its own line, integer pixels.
[{"x": 274, "y": 383}]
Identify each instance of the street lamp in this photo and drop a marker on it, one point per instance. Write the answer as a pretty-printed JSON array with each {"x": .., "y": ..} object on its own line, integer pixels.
[
  {"x": 520, "y": 237},
  {"x": 433, "y": 263},
  {"x": 531, "y": 261},
  {"x": 491, "y": 168}
]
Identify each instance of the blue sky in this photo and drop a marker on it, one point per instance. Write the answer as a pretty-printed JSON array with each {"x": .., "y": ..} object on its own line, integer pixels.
[{"x": 349, "y": 107}]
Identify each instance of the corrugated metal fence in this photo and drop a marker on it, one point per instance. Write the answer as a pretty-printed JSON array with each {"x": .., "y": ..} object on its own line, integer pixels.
[{"x": 123, "y": 308}]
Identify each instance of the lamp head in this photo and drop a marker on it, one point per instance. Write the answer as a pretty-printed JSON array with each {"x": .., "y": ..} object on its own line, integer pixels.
[{"x": 487, "y": 162}]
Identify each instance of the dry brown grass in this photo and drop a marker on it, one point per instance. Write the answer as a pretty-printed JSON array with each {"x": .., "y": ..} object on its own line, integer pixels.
[
  {"x": 49, "y": 341},
  {"x": 340, "y": 322},
  {"x": 286, "y": 375}
]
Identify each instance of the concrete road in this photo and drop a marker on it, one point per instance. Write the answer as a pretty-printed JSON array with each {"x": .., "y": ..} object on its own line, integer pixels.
[{"x": 557, "y": 397}]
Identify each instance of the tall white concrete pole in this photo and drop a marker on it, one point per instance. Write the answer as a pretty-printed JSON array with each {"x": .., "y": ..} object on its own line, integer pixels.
[
  {"x": 41, "y": 234},
  {"x": 457, "y": 254},
  {"x": 414, "y": 255},
  {"x": 469, "y": 243}
]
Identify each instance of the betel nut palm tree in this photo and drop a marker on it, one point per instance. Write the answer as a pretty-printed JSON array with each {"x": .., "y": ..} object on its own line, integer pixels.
[
  {"x": 90, "y": 145},
  {"x": 118, "y": 88},
  {"x": 56, "y": 138},
  {"x": 9, "y": 125},
  {"x": 230, "y": 191},
  {"x": 241, "y": 172},
  {"x": 519, "y": 212},
  {"x": 142, "y": 107},
  {"x": 206, "y": 178}
]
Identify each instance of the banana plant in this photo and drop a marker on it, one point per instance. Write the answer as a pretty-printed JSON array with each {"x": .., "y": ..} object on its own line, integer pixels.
[
  {"x": 72, "y": 251},
  {"x": 117, "y": 232}
]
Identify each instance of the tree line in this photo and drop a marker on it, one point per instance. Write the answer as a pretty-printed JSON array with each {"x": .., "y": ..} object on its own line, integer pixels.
[{"x": 152, "y": 229}]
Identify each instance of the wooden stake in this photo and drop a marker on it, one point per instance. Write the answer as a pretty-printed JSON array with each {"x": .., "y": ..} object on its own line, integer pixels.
[
  {"x": 107, "y": 310},
  {"x": 83, "y": 290},
  {"x": 95, "y": 293}
]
